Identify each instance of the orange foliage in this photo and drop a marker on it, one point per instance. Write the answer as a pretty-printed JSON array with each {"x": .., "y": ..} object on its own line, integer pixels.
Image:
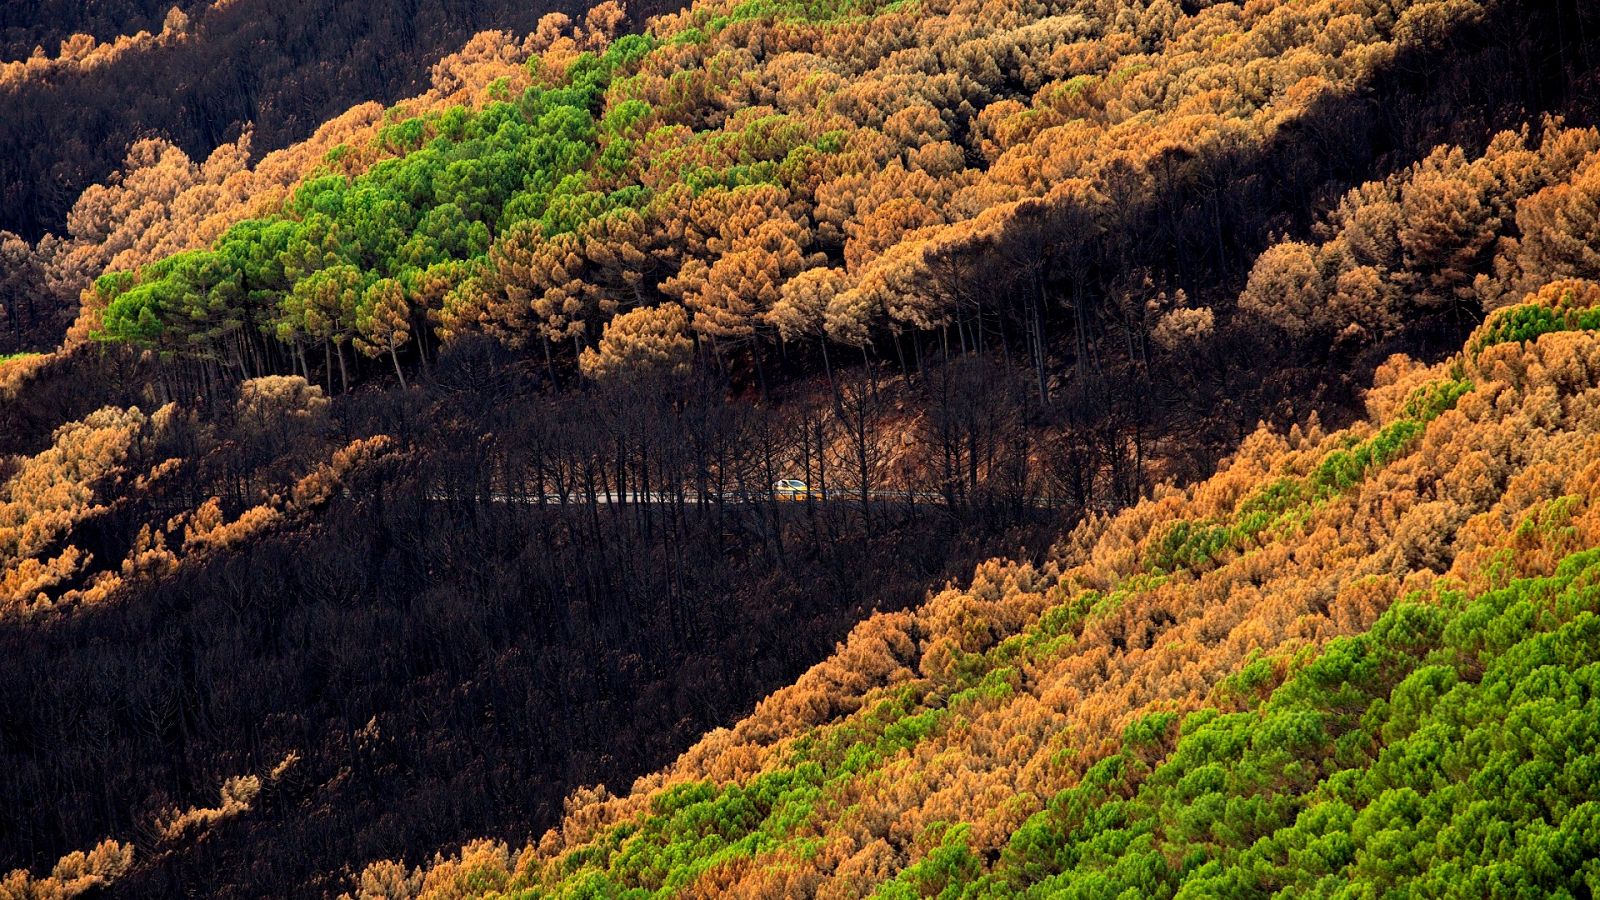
[
  {"x": 1500, "y": 480},
  {"x": 76, "y": 873}
]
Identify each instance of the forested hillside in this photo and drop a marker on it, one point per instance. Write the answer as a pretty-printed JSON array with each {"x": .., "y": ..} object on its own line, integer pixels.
[
  {"x": 411, "y": 484},
  {"x": 894, "y": 156},
  {"x": 80, "y": 82}
]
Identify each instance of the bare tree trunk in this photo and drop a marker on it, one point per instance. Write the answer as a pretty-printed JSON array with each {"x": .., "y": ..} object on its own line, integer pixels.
[
  {"x": 827, "y": 368},
  {"x": 395, "y": 357}
]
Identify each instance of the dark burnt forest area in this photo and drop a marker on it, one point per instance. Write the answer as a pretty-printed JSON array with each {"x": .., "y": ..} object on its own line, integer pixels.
[
  {"x": 26, "y": 24},
  {"x": 444, "y": 663}
]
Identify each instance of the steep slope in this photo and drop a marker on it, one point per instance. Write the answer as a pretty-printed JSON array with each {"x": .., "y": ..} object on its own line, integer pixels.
[
  {"x": 314, "y": 599},
  {"x": 1054, "y": 151},
  {"x": 308, "y": 518},
  {"x": 1082, "y": 185},
  {"x": 1350, "y": 662},
  {"x": 196, "y": 75},
  {"x": 27, "y": 25}
]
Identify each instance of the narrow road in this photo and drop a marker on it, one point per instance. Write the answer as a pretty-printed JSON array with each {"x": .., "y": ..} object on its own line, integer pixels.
[{"x": 737, "y": 498}]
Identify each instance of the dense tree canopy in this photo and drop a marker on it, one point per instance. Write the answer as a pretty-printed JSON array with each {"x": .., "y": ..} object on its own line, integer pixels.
[{"x": 729, "y": 149}]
